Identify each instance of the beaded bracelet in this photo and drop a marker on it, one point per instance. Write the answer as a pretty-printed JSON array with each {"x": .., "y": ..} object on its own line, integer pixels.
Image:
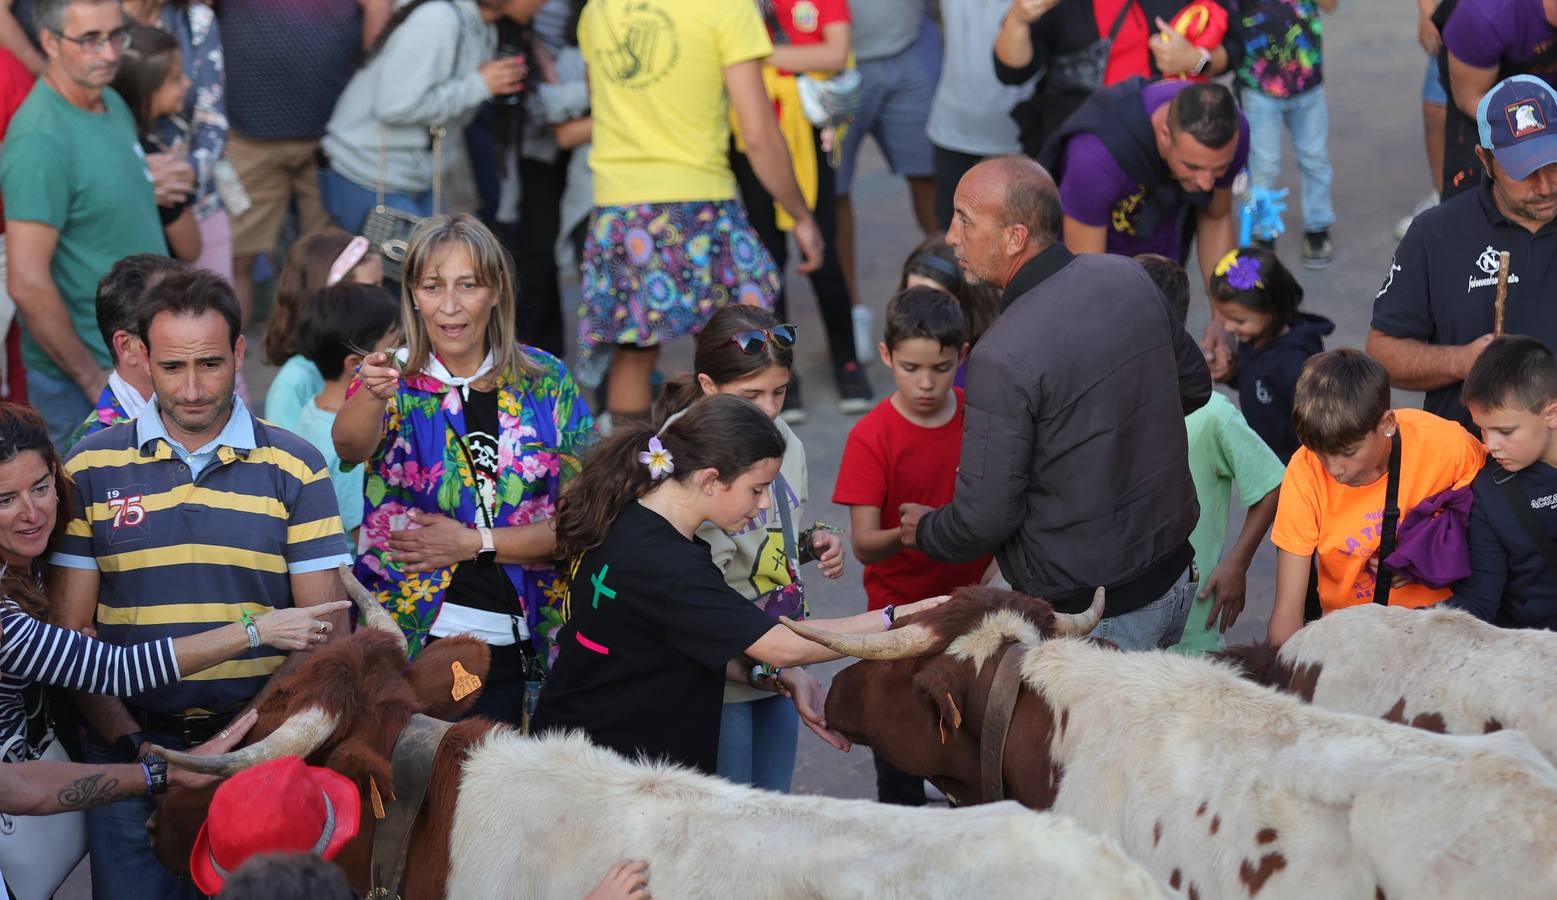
[{"x": 249, "y": 626}]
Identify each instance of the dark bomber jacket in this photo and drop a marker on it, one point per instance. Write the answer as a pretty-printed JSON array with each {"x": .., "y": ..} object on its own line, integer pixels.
[{"x": 1075, "y": 463}]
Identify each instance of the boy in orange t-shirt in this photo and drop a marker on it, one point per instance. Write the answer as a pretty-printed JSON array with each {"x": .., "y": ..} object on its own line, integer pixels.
[{"x": 1332, "y": 497}]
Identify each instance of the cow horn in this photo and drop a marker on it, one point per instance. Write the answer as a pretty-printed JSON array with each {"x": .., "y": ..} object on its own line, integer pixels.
[
  {"x": 301, "y": 734},
  {"x": 369, "y": 610},
  {"x": 1079, "y": 624},
  {"x": 899, "y": 643}
]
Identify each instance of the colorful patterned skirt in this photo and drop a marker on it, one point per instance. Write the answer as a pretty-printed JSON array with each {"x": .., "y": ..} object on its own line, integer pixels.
[{"x": 656, "y": 271}]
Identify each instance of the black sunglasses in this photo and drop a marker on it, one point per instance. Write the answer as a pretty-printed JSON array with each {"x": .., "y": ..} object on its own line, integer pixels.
[{"x": 752, "y": 341}]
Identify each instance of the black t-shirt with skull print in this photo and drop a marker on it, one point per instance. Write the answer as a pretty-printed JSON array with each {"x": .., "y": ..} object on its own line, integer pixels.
[{"x": 476, "y": 585}]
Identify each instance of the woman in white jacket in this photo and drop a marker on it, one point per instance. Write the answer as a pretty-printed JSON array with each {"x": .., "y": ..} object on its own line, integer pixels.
[{"x": 427, "y": 74}]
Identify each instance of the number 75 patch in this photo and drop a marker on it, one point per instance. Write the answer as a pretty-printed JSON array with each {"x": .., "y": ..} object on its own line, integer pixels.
[{"x": 127, "y": 514}]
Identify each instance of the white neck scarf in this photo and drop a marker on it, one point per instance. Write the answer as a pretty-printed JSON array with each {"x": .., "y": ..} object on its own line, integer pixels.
[
  {"x": 436, "y": 369},
  {"x": 130, "y": 400}
]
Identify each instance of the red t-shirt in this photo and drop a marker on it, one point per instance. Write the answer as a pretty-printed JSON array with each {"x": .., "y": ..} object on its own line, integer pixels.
[
  {"x": 1130, "y": 55},
  {"x": 803, "y": 20},
  {"x": 15, "y": 84},
  {"x": 888, "y": 461}
]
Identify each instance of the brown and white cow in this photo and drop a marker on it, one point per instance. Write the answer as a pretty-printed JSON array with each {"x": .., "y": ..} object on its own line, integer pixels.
[
  {"x": 1219, "y": 786},
  {"x": 512, "y": 817},
  {"x": 1440, "y": 669}
]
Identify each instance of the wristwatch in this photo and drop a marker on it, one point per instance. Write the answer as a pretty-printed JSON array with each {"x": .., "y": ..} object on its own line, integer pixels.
[
  {"x": 488, "y": 551},
  {"x": 1205, "y": 62},
  {"x": 156, "y": 769}
]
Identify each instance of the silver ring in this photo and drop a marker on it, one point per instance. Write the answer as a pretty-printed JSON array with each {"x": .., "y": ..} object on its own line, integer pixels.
[
  {"x": 324, "y": 627},
  {"x": 223, "y": 733}
]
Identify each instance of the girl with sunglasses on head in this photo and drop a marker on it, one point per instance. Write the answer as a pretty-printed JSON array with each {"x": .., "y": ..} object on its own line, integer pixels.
[
  {"x": 746, "y": 352},
  {"x": 654, "y": 628}
]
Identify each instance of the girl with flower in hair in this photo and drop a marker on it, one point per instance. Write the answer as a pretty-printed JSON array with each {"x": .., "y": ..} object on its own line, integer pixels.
[
  {"x": 469, "y": 437},
  {"x": 654, "y": 631},
  {"x": 1258, "y": 300},
  {"x": 745, "y": 351}
]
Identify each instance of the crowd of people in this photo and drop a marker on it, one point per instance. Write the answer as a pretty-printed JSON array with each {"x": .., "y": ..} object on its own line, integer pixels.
[{"x": 395, "y": 193}]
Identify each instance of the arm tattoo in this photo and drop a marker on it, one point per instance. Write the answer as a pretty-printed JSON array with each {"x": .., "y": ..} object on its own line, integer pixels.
[{"x": 94, "y": 790}]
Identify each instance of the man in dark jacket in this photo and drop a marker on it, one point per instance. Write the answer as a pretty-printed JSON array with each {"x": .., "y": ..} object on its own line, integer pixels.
[{"x": 1075, "y": 466}]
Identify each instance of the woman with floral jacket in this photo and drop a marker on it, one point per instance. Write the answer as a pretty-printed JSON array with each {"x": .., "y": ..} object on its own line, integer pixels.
[{"x": 469, "y": 436}]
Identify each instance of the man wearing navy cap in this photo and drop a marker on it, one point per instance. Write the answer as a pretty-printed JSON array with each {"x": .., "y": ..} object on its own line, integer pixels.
[{"x": 1434, "y": 313}]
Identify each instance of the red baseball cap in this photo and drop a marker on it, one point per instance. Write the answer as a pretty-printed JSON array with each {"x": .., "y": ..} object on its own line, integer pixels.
[{"x": 277, "y": 806}]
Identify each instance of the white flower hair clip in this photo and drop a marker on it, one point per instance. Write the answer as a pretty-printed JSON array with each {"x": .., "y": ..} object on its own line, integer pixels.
[{"x": 658, "y": 459}]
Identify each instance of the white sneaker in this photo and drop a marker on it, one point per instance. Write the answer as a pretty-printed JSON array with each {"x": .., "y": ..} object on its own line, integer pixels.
[
  {"x": 1422, "y": 206},
  {"x": 864, "y": 333}
]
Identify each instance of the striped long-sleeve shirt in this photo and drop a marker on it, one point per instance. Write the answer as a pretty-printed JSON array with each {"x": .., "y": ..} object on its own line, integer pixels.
[{"x": 33, "y": 651}]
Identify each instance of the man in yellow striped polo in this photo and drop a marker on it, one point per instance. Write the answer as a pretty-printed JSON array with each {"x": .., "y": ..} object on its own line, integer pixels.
[{"x": 191, "y": 516}]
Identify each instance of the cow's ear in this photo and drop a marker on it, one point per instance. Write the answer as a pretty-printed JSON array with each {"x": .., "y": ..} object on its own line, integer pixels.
[
  {"x": 940, "y": 682},
  {"x": 445, "y": 675}
]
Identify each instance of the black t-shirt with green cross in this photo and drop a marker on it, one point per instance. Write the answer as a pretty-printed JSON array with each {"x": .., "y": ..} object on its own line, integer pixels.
[{"x": 640, "y": 664}]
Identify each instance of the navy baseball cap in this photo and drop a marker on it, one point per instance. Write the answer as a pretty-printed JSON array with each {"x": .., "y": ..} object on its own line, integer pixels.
[{"x": 1518, "y": 123}]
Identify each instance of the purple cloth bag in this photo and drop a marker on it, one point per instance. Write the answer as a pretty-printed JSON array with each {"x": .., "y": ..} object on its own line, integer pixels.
[{"x": 1431, "y": 546}]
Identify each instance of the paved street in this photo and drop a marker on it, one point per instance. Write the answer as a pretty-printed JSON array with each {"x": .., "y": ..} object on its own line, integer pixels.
[{"x": 1373, "y": 72}]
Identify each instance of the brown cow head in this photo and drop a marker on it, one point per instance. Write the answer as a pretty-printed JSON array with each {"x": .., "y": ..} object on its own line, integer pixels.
[
  {"x": 917, "y": 696},
  {"x": 343, "y": 708}
]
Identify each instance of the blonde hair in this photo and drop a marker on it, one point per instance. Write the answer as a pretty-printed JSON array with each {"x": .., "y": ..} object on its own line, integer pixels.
[
  {"x": 1340, "y": 397},
  {"x": 493, "y": 268}
]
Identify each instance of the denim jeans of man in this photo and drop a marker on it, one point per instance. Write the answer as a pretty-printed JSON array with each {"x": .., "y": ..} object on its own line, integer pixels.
[
  {"x": 1308, "y": 119},
  {"x": 757, "y": 742},
  {"x": 1156, "y": 626},
  {"x": 60, "y": 402},
  {"x": 119, "y": 847}
]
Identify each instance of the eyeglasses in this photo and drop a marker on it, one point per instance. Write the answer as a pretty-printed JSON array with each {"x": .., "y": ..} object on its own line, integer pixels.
[
  {"x": 96, "y": 41},
  {"x": 754, "y": 340}
]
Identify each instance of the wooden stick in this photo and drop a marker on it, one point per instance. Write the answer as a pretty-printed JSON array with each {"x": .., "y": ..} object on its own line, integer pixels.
[{"x": 1501, "y": 299}]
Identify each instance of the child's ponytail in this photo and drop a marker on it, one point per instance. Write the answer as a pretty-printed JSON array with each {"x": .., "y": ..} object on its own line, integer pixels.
[{"x": 725, "y": 433}]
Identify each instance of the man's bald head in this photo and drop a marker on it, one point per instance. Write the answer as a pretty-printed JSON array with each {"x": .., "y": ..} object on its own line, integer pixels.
[
  {"x": 1007, "y": 210},
  {"x": 1029, "y": 196}
]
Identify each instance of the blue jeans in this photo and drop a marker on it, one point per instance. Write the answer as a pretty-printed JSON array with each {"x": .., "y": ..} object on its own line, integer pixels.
[
  {"x": 119, "y": 848},
  {"x": 1156, "y": 626},
  {"x": 1307, "y": 117},
  {"x": 60, "y": 402},
  {"x": 349, "y": 203},
  {"x": 757, "y": 742}
]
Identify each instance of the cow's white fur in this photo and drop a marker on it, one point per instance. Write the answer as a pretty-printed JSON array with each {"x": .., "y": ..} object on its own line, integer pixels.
[
  {"x": 990, "y": 634},
  {"x": 1357, "y": 802},
  {"x": 547, "y": 817},
  {"x": 1440, "y": 661}
]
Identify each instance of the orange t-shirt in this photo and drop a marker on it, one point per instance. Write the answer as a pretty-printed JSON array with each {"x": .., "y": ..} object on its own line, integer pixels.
[{"x": 1318, "y": 513}]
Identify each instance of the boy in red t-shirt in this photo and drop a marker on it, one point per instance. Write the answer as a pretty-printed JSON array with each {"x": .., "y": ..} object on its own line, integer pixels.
[{"x": 906, "y": 450}]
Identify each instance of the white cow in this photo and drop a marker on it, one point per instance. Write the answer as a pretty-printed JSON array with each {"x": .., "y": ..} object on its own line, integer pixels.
[
  {"x": 1439, "y": 669},
  {"x": 1219, "y": 786},
  {"x": 544, "y": 818}
]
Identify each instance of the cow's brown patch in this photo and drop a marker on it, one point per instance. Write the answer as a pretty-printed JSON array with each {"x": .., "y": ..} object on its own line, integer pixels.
[
  {"x": 1304, "y": 681},
  {"x": 1194, "y": 892},
  {"x": 1397, "y": 713},
  {"x": 1254, "y": 877},
  {"x": 426, "y": 879},
  {"x": 1064, "y": 721},
  {"x": 1032, "y": 777},
  {"x": 1378, "y": 893},
  {"x": 1429, "y": 722},
  {"x": 1216, "y": 822},
  {"x": 1492, "y": 725},
  {"x": 1156, "y": 834},
  {"x": 1265, "y": 836},
  {"x": 1175, "y": 879},
  {"x": 1202, "y": 810}
]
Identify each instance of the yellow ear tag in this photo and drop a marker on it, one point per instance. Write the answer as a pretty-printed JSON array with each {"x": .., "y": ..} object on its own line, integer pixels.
[
  {"x": 378, "y": 802},
  {"x": 465, "y": 683}
]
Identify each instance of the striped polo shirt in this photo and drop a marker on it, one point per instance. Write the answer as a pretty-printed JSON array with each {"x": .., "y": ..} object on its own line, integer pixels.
[{"x": 181, "y": 554}]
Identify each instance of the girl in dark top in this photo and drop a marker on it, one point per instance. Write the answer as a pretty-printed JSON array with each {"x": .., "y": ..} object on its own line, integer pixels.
[
  {"x": 152, "y": 82},
  {"x": 653, "y": 630},
  {"x": 1258, "y": 300}
]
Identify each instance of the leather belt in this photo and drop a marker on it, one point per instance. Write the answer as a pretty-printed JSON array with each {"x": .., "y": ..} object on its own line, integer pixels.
[
  {"x": 411, "y": 767},
  {"x": 998, "y": 709},
  {"x": 192, "y": 730}
]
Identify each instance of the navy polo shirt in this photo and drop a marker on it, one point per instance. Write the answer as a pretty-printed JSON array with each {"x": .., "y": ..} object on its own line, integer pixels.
[
  {"x": 1441, "y": 283},
  {"x": 1510, "y": 583}
]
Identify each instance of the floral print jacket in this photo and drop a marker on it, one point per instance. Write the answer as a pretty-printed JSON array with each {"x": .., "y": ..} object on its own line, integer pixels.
[
  {"x": 205, "y": 107},
  {"x": 545, "y": 426}
]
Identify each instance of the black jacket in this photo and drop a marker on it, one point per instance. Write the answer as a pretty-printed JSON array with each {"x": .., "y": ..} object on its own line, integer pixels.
[
  {"x": 1267, "y": 378},
  {"x": 1511, "y": 583},
  {"x": 1075, "y": 463}
]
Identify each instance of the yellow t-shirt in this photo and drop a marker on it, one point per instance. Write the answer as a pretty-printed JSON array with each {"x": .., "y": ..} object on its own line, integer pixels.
[
  {"x": 1342, "y": 523},
  {"x": 656, "y": 83}
]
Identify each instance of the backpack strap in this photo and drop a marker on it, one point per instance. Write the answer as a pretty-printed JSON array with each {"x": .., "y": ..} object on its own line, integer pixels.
[
  {"x": 1391, "y": 521},
  {"x": 1527, "y": 520}
]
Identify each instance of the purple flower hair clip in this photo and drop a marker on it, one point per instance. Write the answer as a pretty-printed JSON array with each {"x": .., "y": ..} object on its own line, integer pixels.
[{"x": 1244, "y": 273}]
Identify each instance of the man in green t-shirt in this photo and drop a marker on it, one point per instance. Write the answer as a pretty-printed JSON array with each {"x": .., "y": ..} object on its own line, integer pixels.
[{"x": 79, "y": 196}]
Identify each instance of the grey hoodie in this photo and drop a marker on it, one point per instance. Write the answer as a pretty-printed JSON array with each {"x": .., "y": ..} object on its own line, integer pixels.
[{"x": 426, "y": 75}]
